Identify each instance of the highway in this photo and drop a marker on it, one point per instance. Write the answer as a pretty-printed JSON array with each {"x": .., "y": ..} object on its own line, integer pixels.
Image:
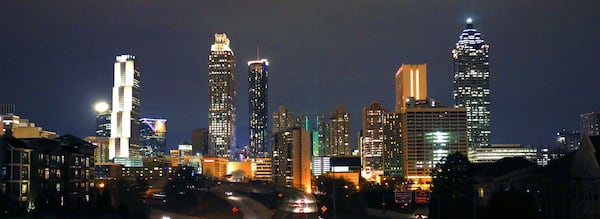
[{"x": 250, "y": 208}]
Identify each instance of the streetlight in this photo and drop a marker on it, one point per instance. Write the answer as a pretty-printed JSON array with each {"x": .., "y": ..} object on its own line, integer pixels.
[{"x": 334, "y": 208}]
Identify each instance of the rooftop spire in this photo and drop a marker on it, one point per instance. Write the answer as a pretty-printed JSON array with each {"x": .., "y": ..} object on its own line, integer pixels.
[
  {"x": 257, "y": 52},
  {"x": 469, "y": 23}
]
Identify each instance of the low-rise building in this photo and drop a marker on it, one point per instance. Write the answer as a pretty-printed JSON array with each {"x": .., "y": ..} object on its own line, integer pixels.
[{"x": 498, "y": 151}]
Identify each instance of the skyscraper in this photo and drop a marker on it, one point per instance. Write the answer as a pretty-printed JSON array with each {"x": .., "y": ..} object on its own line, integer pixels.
[
  {"x": 221, "y": 91},
  {"x": 472, "y": 84},
  {"x": 200, "y": 141},
  {"x": 323, "y": 136},
  {"x": 103, "y": 114},
  {"x": 292, "y": 158},
  {"x": 429, "y": 133},
  {"x": 124, "y": 145},
  {"x": 153, "y": 137},
  {"x": 339, "y": 132},
  {"x": 302, "y": 122},
  {"x": 258, "y": 75},
  {"x": 392, "y": 145},
  {"x": 282, "y": 120},
  {"x": 411, "y": 81},
  {"x": 590, "y": 123},
  {"x": 372, "y": 137},
  {"x": 6, "y": 109}
]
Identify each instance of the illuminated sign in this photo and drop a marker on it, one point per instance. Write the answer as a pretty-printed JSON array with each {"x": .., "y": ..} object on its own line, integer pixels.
[
  {"x": 403, "y": 196},
  {"x": 157, "y": 125},
  {"x": 185, "y": 147},
  {"x": 341, "y": 169},
  {"x": 422, "y": 196}
]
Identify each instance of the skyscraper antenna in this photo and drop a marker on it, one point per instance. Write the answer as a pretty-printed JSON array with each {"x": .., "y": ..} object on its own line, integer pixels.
[{"x": 257, "y": 52}]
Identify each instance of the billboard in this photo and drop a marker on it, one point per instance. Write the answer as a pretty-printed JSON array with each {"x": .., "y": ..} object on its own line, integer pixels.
[
  {"x": 403, "y": 196},
  {"x": 422, "y": 196}
]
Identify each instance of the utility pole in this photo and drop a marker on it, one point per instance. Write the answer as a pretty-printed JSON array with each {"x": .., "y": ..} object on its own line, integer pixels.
[{"x": 334, "y": 208}]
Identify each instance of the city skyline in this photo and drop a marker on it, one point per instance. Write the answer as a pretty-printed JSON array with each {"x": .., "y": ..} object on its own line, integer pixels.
[{"x": 530, "y": 68}]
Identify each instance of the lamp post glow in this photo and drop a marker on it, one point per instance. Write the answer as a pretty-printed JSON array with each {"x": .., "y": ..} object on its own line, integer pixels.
[{"x": 101, "y": 107}]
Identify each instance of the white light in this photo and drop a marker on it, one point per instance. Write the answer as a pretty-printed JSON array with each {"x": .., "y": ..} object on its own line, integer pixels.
[
  {"x": 469, "y": 20},
  {"x": 101, "y": 107}
]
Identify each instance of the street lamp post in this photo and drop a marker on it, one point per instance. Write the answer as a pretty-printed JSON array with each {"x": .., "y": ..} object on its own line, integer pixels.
[{"x": 334, "y": 208}]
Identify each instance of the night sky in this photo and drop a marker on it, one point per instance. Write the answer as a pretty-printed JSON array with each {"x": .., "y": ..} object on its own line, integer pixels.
[{"x": 56, "y": 59}]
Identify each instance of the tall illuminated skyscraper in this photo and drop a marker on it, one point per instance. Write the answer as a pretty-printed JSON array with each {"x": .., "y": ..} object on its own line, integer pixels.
[
  {"x": 339, "y": 133},
  {"x": 472, "y": 84},
  {"x": 124, "y": 144},
  {"x": 411, "y": 81},
  {"x": 322, "y": 136},
  {"x": 221, "y": 91},
  {"x": 258, "y": 75},
  {"x": 372, "y": 137},
  {"x": 392, "y": 161}
]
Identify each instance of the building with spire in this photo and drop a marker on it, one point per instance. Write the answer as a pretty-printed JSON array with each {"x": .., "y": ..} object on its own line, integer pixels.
[
  {"x": 124, "y": 143},
  {"x": 472, "y": 84},
  {"x": 221, "y": 92},
  {"x": 258, "y": 75}
]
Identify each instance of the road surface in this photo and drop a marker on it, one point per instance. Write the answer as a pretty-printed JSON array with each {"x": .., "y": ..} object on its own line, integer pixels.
[{"x": 249, "y": 207}]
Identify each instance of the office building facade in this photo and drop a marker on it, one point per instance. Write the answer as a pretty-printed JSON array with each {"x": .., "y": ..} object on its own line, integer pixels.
[
  {"x": 496, "y": 152},
  {"x": 6, "y": 109},
  {"x": 568, "y": 140},
  {"x": 222, "y": 96},
  {"x": 282, "y": 120},
  {"x": 153, "y": 137},
  {"x": 430, "y": 133},
  {"x": 392, "y": 160},
  {"x": 411, "y": 81},
  {"x": 125, "y": 125},
  {"x": 339, "y": 133},
  {"x": 590, "y": 123},
  {"x": 291, "y": 159},
  {"x": 103, "y": 118},
  {"x": 322, "y": 136},
  {"x": 472, "y": 84},
  {"x": 101, "y": 148},
  {"x": 200, "y": 141},
  {"x": 372, "y": 137},
  {"x": 258, "y": 75}
]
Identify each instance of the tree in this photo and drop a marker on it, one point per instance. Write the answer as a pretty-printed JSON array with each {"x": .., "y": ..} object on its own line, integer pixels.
[
  {"x": 452, "y": 194},
  {"x": 512, "y": 204}
]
